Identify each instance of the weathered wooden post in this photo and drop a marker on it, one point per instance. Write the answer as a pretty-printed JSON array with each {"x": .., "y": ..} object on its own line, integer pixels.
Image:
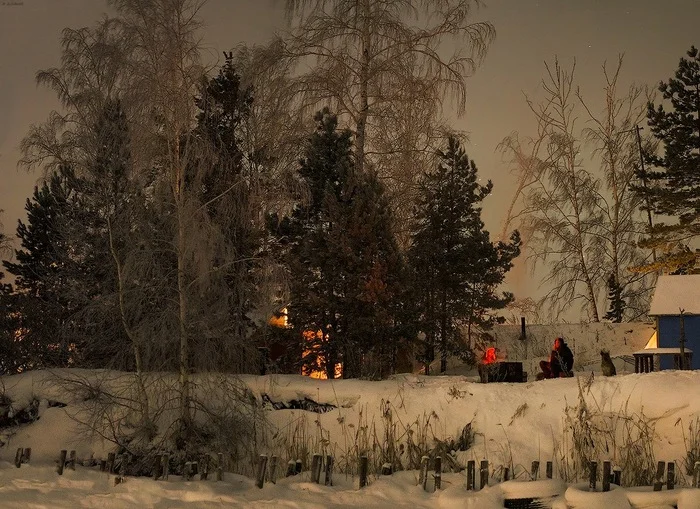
[
  {"x": 696, "y": 475},
  {"x": 471, "y": 475},
  {"x": 220, "y": 467},
  {"x": 593, "y": 475},
  {"x": 273, "y": 469},
  {"x": 61, "y": 461},
  {"x": 204, "y": 468},
  {"x": 291, "y": 468},
  {"x": 298, "y": 467},
  {"x": 506, "y": 473},
  {"x": 157, "y": 472},
  {"x": 262, "y": 467},
  {"x": 27, "y": 455},
  {"x": 316, "y": 468},
  {"x": 18, "y": 457},
  {"x": 423, "y": 476},
  {"x": 550, "y": 469},
  {"x": 387, "y": 469},
  {"x": 438, "y": 472},
  {"x": 364, "y": 464},
  {"x": 71, "y": 460},
  {"x": 606, "y": 476},
  {"x": 670, "y": 475},
  {"x": 329, "y": 471},
  {"x": 110, "y": 462},
  {"x": 535, "y": 470},
  {"x": 103, "y": 465},
  {"x": 617, "y": 476},
  {"x": 166, "y": 466},
  {"x": 187, "y": 471},
  {"x": 484, "y": 474},
  {"x": 658, "y": 479}
]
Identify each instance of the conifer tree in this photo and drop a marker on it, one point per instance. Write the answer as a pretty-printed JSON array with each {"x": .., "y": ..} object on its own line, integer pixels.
[
  {"x": 41, "y": 269},
  {"x": 456, "y": 268},
  {"x": 673, "y": 187},
  {"x": 344, "y": 265},
  {"x": 616, "y": 302}
]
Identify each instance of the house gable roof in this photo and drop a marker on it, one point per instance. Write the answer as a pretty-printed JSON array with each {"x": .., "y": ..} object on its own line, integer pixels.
[{"x": 674, "y": 293}]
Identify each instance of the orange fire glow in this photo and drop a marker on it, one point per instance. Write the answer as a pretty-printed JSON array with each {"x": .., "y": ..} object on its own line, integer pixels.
[{"x": 489, "y": 355}]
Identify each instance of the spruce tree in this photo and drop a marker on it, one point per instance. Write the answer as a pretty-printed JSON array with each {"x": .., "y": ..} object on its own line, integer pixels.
[
  {"x": 617, "y": 303},
  {"x": 673, "y": 187},
  {"x": 456, "y": 269},
  {"x": 41, "y": 269},
  {"x": 345, "y": 268}
]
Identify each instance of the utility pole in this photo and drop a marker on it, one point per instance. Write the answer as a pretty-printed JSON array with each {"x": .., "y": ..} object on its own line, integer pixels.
[{"x": 637, "y": 131}]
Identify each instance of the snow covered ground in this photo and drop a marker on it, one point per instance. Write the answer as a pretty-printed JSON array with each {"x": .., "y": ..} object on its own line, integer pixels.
[{"x": 514, "y": 424}]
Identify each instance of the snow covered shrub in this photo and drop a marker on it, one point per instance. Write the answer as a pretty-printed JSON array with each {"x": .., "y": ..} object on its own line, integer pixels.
[{"x": 593, "y": 433}]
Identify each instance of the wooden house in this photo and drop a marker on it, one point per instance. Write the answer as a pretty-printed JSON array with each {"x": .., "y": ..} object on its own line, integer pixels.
[{"x": 676, "y": 304}]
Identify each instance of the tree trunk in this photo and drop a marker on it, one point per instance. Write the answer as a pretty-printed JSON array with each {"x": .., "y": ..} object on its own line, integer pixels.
[{"x": 360, "y": 136}]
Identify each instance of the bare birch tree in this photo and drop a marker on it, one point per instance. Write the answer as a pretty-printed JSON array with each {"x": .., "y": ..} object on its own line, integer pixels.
[
  {"x": 579, "y": 218},
  {"x": 381, "y": 66}
]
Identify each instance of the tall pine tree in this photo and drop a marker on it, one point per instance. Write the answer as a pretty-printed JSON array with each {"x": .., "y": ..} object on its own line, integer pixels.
[
  {"x": 41, "y": 269},
  {"x": 673, "y": 188},
  {"x": 345, "y": 268},
  {"x": 456, "y": 268}
]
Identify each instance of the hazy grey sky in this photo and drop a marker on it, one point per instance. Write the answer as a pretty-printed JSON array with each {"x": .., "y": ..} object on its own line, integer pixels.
[{"x": 652, "y": 34}]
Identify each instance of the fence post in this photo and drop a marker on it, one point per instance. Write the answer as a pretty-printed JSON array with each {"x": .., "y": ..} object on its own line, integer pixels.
[
  {"x": 438, "y": 473},
  {"x": 157, "y": 462},
  {"x": 534, "y": 472},
  {"x": 18, "y": 457},
  {"x": 606, "y": 476},
  {"x": 329, "y": 471},
  {"x": 166, "y": 466},
  {"x": 471, "y": 475},
  {"x": 110, "y": 462},
  {"x": 273, "y": 469},
  {"x": 262, "y": 467},
  {"x": 103, "y": 465},
  {"x": 484, "y": 474},
  {"x": 204, "y": 470},
  {"x": 506, "y": 473},
  {"x": 617, "y": 476},
  {"x": 670, "y": 475},
  {"x": 696, "y": 474},
  {"x": 423, "y": 476},
  {"x": 291, "y": 468},
  {"x": 61, "y": 461},
  {"x": 187, "y": 471},
  {"x": 364, "y": 463},
  {"x": 298, "y": 466},
  {"x": 658, "y": 480},
  {"x": 220, "y": 467},
  {"x": 550, "y": 469},
  {"x": 593, "y": 474},
  {"x": 316, "y": 468},
  {"x": 27, "y": 455},
  {"x": 71, "y": 460}
]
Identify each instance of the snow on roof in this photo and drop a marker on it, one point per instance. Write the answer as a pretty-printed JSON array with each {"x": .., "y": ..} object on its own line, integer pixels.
[{"x": 674, "y": 293}]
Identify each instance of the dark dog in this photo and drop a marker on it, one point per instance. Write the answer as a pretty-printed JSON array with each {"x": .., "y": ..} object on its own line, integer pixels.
[{"x": 606, "y": 364}]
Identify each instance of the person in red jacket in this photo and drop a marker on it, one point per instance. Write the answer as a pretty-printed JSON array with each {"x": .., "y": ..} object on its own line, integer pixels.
[{"x": 560, "y": 363}]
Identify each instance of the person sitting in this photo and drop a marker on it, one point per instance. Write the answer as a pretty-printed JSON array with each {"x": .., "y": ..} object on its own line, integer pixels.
[{"x": 561, "y": 362}]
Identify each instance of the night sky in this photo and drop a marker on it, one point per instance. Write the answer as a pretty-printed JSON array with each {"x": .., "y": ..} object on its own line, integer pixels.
[{"x": 653, "y": 36}]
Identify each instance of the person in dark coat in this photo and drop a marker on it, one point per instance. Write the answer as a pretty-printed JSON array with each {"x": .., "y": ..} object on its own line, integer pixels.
[{"x": 561, "y": 361}]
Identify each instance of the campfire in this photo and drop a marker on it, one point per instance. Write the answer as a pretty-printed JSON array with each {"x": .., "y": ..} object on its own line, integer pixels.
[{"x": 493, "y": 369}]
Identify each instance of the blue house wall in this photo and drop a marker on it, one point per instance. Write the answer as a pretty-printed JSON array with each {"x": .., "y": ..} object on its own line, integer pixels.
[{"x": 669, "y": 332}]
